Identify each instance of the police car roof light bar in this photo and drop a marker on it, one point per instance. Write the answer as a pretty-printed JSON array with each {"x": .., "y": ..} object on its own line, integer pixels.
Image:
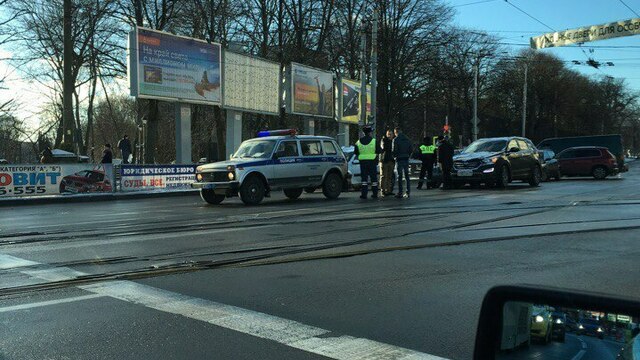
[{"x": 265, "y": 133}]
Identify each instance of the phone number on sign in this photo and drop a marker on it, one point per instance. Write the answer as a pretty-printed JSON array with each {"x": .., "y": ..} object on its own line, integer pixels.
[{"x": 22, "y": 190}]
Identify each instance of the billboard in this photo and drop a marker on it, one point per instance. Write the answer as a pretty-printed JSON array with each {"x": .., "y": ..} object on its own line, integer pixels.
[
  {"x": 168, "y": 67},
  {"x": 312, "y": 91},
  {"x": 156, "y": 177},
  {"x": 585, "y": 34},
  {"x": 251, "y": 84},
  {"x": 37, "y": 180},
  {"x": 350, "y": 101}
]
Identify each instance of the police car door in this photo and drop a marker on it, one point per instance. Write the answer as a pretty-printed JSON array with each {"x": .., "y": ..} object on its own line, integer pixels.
[
  {"x": 315, "y": 161},
  {"x": 288, "y": 166}
]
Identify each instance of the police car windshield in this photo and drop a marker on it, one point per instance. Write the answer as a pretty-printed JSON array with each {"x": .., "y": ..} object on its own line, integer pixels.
[
  {"x": 255, "y": 149},
  {"x": 486, "y": 145}
]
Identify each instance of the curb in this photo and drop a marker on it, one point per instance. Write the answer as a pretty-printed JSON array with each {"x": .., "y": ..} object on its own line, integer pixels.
[{"x": 96, "y": 197}]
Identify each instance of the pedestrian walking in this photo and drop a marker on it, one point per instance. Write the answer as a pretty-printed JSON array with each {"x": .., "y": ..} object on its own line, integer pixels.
[
  {"x": 428, "y": 157},
  {"x": 366, "y": 151},
  {"x": 107, "y": 154},
  {"x": 445, "y": 157},
  {"x": 47, "y": 156},
  {"x": 125, "y": 148},
  {"x": 387, "y": 164},
  {"x": 402, "y": 149}
]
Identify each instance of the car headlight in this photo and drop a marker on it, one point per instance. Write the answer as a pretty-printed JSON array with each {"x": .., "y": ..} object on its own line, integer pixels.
[
  {"x": 539, "y": 319},
  {"x": 580, "y": 327},
  {"x": 199, "y": 177},
  {"x": 231, "y": 176},
  {"x": 600, "y": 329},
  {"x": 558, "y": 321}
]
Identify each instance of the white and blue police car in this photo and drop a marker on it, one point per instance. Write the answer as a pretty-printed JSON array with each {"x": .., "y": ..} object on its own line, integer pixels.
[{"x": 275, "y": 160}]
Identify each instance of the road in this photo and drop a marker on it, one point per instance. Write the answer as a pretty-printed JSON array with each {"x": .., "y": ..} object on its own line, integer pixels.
[
  {"x": 574, "y": 347},
  {"x": 305, "y": 279}
]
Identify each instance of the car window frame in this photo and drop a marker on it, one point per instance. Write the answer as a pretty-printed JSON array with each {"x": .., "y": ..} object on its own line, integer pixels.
[
  {"x": 568, "y": 151},
  {"x": 324, "y": 148},
  {"x": 520, "y": 143},
  {"x": 311, "y": 141},
  {"x": 298, "y": 150},
  {"x": 509, "y": 146}
]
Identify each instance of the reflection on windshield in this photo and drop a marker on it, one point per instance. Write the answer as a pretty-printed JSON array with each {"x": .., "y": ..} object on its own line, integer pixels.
[
  {"x": 255, "y": 149},
  {"x": 532, "y": 331},
  {"x": 486, "y": 145}
]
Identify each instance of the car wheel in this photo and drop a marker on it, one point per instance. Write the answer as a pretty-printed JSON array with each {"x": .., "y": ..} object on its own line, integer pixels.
[
  {"x": 310, "y": 190},
  {"x": 252, "y": 191},
  {"x": 211, "y": 197},
  {"x": 599, "y": 172},
  {"x": 536, "y": 175},
  {"x": 332, "y": 186},
  {"x": 62, "y": 187},
  {"x": 293, "y": 193},
  {"x": 544, "y": 177},
  {"x": 503, "y": 177}
]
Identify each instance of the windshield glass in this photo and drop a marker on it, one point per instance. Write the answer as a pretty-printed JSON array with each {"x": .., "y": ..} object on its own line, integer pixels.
[
  {"x": 255, "y": 149},
  {"x": 486, "y": 145}
]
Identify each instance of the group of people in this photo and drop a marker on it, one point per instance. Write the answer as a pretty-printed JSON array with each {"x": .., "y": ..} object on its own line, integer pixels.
[
  {"x": 107, "y": 153},
  {"x": 393, "y": 153}
]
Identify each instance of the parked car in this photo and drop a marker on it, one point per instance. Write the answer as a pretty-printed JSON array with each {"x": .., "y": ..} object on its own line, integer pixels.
[
  {"x": 591, "y": 327},
  {"x": 559, "y": 326},
  {"x": 550, "y": 165},
  {"x": 612, "y": 142},
  {"x": 496, "y": 162},
  {"x": 588, "y": 161},
  {"x": 541, "y": 323},
  {"x": 86, "y": 181}
]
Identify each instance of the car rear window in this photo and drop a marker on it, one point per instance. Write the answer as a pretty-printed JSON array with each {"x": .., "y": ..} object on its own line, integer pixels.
[
  {"x": 311, "y": 148},
  {"x": 329, "y": 148},
  {"x": 583, "y": 153}
]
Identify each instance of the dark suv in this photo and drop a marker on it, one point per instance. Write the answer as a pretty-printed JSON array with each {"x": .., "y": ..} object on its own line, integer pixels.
[
  {"x": 497, "y": 162},
  {"x": 594, "y": 161}
]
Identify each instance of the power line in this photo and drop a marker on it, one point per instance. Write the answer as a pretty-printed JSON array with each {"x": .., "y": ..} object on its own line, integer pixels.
[
  {"x": 629, "y": 7},
  {"x": 529, "y": 15},
  {"x": 474, "y": 3}
]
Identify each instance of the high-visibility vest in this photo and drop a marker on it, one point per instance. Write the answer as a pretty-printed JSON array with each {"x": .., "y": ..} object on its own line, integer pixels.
[
  {"x": 424, "y": 149},
  {"x": 366, "y": 152}
]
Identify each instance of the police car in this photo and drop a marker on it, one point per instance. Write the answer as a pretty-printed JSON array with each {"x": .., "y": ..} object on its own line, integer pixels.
[{"x": 275, "y": 160}]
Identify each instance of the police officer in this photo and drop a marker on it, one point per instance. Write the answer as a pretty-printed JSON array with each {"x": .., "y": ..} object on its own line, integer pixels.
[
  {"x": 366, "y": 151},
  {"x": 428, "y": 157},
  {"x": 445, "y": 158}
]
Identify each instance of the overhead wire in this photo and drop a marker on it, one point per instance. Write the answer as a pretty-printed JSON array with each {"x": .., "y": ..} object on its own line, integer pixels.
[{"x": 629, "y": 7}]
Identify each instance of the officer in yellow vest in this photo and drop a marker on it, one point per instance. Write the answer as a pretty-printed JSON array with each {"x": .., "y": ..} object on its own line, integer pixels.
[
  {"x": 428, "y": 157},
  {"x": 366, "y": 151}
]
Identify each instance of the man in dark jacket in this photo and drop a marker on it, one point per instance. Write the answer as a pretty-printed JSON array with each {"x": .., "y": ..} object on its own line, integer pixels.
[
  {"x": 428, "y": 157},
  {"x": 125, "y": 148},
  {"x": 445, "y": 157},
  {"x": 107, "y": 154},
  {"x": 402, "y": 149},
  {"x": 366, "y": 151},
  {"x": 387, "y": 164}
]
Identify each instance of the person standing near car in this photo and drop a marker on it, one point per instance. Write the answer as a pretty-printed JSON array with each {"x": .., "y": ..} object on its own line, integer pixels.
[
  {"x": 387, "y": 164},
  {"x": 402, "y": 149},
  {"x": 125, "y": 148},
  {"x": 445, "y": 157},
  {"x": 107, "y": 154},
  {"x": 428, "y": 157},
  {"x": 366, "y": 151}
]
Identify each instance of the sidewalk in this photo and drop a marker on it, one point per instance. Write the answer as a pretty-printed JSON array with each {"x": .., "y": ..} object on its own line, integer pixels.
[{"x": 74, "y": 198}]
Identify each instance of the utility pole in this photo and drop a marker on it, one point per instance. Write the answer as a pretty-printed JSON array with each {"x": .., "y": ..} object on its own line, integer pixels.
[
  {"x": 67, "y": 89},
  {"x": 524, "y": 101},
  {"x": 363, "y": 79},
  {"x": 374, "y": 69},
  {"x": 474, "y": 130}
]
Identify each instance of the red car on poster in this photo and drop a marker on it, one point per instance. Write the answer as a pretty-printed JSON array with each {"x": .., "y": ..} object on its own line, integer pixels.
[{"x": 86, "y": 181}]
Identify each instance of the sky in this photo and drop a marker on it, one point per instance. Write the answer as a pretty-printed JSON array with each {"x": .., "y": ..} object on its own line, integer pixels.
[{"x": 499, "y": 18}]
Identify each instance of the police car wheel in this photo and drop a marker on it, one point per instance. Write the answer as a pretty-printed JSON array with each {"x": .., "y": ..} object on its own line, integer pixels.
[
  {"x": 332, "y": 186},
  {"x": 293, "y": 193},
  {"x": 210, "y": 197},
  {"x": 252, "y": 191}
]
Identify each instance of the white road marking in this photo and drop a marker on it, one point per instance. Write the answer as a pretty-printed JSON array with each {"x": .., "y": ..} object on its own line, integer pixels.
[
  {"x": 581, "y": 353},
  {"x": 11, "y": 262},
  {"x": 287, "y": 332},
  {"x": 50, "y": 302}
]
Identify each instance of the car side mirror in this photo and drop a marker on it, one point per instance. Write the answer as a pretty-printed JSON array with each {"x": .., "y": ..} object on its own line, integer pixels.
[
  {"x": 514, "y": 149},
  {"x": 513, "y": 317}
]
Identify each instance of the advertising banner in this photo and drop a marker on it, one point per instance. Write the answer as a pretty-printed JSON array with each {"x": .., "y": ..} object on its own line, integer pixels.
[
  {"x": 351, "y": 102},
  {"x": 589, "y": 33},
  {"x": 36, "y": 180},
  {"x": 312, "y": 91},
  {"x": 251, "y": 84},
  {"x": 168, "y": 67},
  {"x": 156, "y": 177}
]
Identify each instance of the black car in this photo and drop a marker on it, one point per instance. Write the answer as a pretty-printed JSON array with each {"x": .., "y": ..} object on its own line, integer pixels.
[
  {"x": 496, "y": 162},
  {"x": 559, "y": 326},
  {"x": 591, "y": 327},
  {"x": 550, "y": 165}
]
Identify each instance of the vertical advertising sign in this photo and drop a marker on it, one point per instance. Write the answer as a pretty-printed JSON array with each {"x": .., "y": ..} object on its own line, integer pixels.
[
  {"x": 251, "y": 84},
  {"x": 350, "y": 100},
  {"x": 169, "y": 67},
  {"x": 312, "y": 91}
]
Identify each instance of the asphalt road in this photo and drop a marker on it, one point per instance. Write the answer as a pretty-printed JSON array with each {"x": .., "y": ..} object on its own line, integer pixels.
[
  {"x": 311, "y": 278},
  {"x": 583, "y": 347}
]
